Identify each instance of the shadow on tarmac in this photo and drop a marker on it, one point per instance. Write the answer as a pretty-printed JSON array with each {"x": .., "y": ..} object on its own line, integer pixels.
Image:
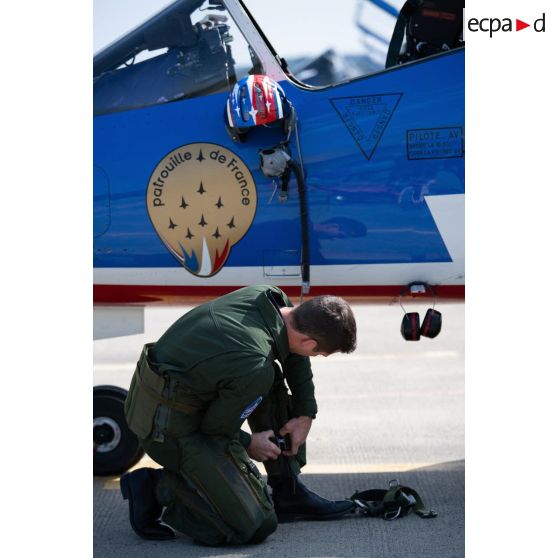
[{"x": 441, "y": 486}]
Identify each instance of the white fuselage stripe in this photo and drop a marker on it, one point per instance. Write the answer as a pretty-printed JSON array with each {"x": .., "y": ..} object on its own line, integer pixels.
[{"x": 377, "y": 274}]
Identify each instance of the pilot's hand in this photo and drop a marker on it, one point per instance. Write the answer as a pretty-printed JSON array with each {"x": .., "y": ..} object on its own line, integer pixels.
[
  {"x": 261, "y": 447},
  {"x": 298, "y": 428}
]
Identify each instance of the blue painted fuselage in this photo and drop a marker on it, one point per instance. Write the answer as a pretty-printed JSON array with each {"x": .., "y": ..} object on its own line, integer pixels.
[{"x": 373, "y": 149}]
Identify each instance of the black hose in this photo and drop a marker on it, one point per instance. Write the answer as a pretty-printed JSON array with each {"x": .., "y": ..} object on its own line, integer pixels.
[{"x": 305, "y": 240}]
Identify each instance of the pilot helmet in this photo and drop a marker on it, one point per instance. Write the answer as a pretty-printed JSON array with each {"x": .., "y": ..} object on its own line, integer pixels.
[{"x": 256, "y": 100}]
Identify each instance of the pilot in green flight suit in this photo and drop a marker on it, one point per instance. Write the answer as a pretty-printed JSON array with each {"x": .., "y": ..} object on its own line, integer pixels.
[{"x": 218, "y": 365}]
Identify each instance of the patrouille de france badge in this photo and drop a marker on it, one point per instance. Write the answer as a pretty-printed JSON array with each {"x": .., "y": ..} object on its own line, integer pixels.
[{"x": 201, "y": 199}]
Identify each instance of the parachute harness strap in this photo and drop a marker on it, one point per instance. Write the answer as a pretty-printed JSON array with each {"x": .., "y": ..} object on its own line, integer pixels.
[{"x": 395, "y": 502}]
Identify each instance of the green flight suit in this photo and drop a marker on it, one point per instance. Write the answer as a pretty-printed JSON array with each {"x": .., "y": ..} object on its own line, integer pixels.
[{"x": 192, "y": 390}]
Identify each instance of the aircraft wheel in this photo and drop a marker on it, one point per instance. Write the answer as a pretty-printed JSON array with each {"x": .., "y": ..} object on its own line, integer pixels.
[{"x": 115, "y": 447}]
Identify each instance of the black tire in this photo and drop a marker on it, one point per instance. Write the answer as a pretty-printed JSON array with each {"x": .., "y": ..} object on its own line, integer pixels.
[{"x": 115, "y": 447}]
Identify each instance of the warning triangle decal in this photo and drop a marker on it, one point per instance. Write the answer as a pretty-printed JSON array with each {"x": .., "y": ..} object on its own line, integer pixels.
[{"x": 366, "y": 117}]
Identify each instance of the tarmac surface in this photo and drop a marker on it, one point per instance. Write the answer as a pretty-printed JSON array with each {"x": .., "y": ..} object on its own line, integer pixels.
[{"x": 392, "y": 409}]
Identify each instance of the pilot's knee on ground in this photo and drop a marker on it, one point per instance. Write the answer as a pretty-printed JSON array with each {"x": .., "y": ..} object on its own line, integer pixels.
[
  {"x": 225, "y": 503},
  {"x": 189, "y": 514},
  {"x": 268, "y": 526}
]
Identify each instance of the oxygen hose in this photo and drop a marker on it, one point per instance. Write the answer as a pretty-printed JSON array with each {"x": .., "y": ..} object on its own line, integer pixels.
[{"x": 305, "y": 241}]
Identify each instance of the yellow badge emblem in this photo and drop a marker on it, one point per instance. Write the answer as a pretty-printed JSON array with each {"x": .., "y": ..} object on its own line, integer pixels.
[{"x": 201, "y": 199}]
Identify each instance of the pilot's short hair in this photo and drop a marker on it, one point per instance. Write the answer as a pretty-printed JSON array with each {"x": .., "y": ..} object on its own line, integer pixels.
[{"x": 329, "y": 320}]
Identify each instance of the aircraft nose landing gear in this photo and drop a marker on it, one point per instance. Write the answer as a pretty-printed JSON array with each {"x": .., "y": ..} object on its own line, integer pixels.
[
  {"x": 115, "y": 447},
  {"x": 106, "y": 434}
]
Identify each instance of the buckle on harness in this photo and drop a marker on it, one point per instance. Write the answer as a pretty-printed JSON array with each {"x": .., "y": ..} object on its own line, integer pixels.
[
  {"x": 409, "y": 499},
  {"x": 390, "y": 516},
  {"x": 361, "y": 505}
]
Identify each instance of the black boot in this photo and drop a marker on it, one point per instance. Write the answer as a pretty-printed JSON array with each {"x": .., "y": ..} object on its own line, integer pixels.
[
  {"x": 293, "y": 501},
  {"x": 138, "y": 487}
]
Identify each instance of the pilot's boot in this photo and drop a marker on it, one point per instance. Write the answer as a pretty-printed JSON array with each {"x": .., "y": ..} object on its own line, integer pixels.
[
  {"x": 138, "y": 487},
  {"x": 293, "y": 501}
]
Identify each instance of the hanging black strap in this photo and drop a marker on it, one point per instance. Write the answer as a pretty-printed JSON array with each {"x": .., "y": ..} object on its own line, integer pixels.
[
  {"x": 399, "y": 31},
  {"x": 395, "y": 502},
  {"x": 305, "y": 241}
]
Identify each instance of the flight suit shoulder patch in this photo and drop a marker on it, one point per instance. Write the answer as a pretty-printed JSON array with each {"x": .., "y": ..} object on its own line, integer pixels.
[{"x": 250, "y": 408}]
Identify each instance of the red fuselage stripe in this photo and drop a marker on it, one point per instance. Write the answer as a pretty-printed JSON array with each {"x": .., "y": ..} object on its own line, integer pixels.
[{"x": 145, "y": 294}]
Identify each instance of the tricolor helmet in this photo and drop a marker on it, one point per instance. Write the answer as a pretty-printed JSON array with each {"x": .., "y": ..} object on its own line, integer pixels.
[{"x": 255, "y": 100}]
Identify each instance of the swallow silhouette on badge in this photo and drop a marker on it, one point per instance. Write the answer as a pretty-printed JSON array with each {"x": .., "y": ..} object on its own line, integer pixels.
[{"x": 201, "y": 200}]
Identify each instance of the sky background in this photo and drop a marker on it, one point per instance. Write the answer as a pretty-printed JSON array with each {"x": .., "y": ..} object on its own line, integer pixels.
[{"x": 317, "y": 25}]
